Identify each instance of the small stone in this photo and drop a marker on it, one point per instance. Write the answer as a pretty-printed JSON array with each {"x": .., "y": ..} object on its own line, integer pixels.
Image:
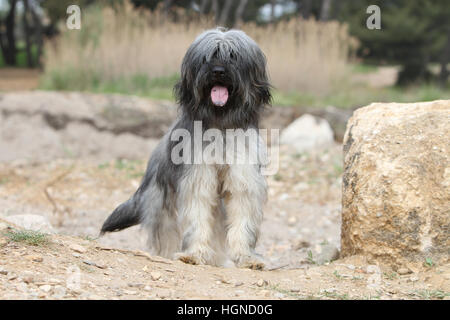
[
  {"x": 22, "y": 287},
  {"x": 46, "y": 287},
  {"x": 237, "y": 283},
  {"x": 300, "y": 244},
  {"x": 54, "y": 281},
  {"x": 129, "y": 292},
  {"x": 294, "y": 290},
  {"x": 34, "y": 258},
  {"x": 3, "y": 271},
  {"x": 292, "y": 221},
  {"x": 403, "y": 271},
  {"x": 278, "y": 295},
  {"x": 28, "y": 279},
  {"x": 265, "y": 293},
  {"x": 148, "y": 288},
  {"x": 155, "y": 275},
  {"x": 77, "y": 248},
  {"x": 12, "y": 277},
  {"x": 59, "y": 292},
  {"x": 414, "y": 278},
  {"x": 261, "y": 283},
  {"x": 239, "y": 292},
  {"x": 350, "y": 266}
]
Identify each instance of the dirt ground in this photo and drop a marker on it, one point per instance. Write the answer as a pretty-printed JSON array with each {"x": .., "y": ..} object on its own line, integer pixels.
[{"x": 76, "y": 191}]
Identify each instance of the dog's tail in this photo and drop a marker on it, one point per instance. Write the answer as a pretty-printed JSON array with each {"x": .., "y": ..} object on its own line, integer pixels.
[{"x": 124, "y": 216}]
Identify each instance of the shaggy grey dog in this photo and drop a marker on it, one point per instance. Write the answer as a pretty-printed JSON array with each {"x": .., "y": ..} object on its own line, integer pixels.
[{"x": 208, "y": 211}]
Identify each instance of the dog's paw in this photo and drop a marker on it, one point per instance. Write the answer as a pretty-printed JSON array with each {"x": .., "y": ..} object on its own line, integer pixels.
[
  {"x": 250, "y": 261},
  {"x": 194, "y": 258}
]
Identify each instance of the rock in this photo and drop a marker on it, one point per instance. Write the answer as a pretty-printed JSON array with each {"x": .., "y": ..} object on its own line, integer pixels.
[
  {"x": 278, "y": 295},
  {"x": 300, "y": 244},
  {"x": 112, "y": 126},
  {"x": 32, "y": 222},
  {"x": 403, "y": 271},
  {"x": 328, "y": 253},
  {"x": 3, "y": 271},
  {"x": 34, "y": 258},
  {"x": 77, "y": 248},
  {"x": 59, "y": 292},
  {"x": 155, "y": 275},
  {"x": 46, "y": 288},
  {"x": 396, "y": 183},
  {"x": 265, "y": 293},
  {"x": 292, "y": 221},
  {"x": 307, "y": 133},
  {"x": 261, "y": 283}
]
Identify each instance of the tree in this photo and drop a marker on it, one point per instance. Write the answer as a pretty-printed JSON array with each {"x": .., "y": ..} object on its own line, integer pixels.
[
  {"x": 413, "y": 34},
  {"x": 8, "y": 39}
]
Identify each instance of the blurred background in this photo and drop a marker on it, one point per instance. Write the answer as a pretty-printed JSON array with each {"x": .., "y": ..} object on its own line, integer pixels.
[{"x": 319, "y": 52}]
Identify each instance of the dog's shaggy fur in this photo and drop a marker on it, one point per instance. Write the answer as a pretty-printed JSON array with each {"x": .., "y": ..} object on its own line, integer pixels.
[{"x": 207, "y": 213}]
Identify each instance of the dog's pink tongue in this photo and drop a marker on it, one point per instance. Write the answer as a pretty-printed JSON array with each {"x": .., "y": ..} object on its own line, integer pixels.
[{"x": 219, "y": 95}]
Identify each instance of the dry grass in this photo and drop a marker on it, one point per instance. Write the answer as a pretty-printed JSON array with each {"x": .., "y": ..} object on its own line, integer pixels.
[{"x": 125, "y": 43}]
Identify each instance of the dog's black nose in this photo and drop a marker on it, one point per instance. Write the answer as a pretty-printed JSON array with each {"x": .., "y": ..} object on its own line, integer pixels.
[{"x": 218, "y": 71}]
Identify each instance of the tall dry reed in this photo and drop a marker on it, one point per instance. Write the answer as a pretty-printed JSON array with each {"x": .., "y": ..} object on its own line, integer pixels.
[{"x": 305, "y": 56}]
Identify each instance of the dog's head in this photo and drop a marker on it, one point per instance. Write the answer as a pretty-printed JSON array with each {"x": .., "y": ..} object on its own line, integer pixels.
[{"x": 223, "y": 74}]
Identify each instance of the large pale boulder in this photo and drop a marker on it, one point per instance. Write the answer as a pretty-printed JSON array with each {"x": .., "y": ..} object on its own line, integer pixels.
[
  {"x": 307, "y": 133},
  {"x": 31, "y": 222},
  {"x": 396, "y": 183}
]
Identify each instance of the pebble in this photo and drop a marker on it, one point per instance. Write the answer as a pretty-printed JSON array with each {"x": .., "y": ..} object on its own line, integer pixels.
[
  {"x": 155, "y": 275},
  {"x": 278, "y": 295},
  {"x": 238, "y": 283},
  {"x": 129, "y": 292},
  {"x": 239, "y": 292},
  {"x": 35, "y": 258},
  {"x": 12, "y": 277},
  {"x": 59, "y": 292},
  {"x": 414, "y": 278},
  {"x": 77, "y": 248},
  {"x": 300, "y": 244},
  {"x": 46, "y": 287},
  {"x": 261, "y": 282},
  {"x": 22, "y": 287},
  {"x": 3, "y": 271},
  {"x": 265, "y": 293},
  {"x": 292, "y": 221},
  {"x": 403, "y": 271},
  {"x": 28, "y": 279}
]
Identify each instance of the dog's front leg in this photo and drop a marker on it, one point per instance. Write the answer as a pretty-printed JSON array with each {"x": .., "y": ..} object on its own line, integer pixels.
[
  {"x": 245, "y": 196},
  {"x": 197, "y": 199}
]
